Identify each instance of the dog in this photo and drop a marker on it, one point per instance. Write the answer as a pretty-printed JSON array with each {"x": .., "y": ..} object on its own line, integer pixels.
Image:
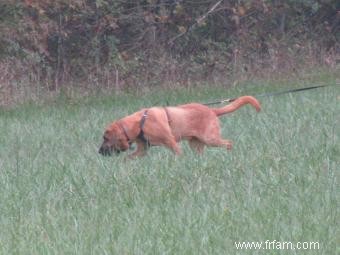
[{"x": 166, "y": 126}]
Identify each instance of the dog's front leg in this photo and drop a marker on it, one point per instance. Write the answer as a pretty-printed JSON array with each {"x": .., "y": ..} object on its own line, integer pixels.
[{"x": 140, "y": 151}]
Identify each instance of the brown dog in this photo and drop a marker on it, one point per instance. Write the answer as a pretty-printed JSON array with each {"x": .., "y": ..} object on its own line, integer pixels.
[{"x": 166, "y": 126}]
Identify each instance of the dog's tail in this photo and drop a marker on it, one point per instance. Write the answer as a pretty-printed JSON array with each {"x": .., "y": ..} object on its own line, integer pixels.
[{"x": 237, "y": 103}]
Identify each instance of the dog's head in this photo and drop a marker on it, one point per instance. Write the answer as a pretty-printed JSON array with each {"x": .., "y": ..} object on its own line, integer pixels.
[{"x": 114, "y": 140}]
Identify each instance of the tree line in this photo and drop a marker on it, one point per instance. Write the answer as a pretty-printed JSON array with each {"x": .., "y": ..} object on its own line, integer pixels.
[{"x": 133, "y": 42}]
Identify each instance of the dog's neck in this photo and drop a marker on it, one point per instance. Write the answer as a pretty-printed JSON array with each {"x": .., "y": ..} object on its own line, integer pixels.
[
  {"x": 125, "y": 131},
  {"x": 131, "y": 126}
]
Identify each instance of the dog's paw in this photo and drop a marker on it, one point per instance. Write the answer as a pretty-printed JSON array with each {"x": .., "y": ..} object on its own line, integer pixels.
[{"x": 229, "y": 145}]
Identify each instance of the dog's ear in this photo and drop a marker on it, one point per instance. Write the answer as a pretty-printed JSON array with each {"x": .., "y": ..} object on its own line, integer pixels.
[
  {"x": 123, "y": 143},
  {"x": 118, "y": 137},
  {"x": 110, "y": 134},
  {"x": 112, "y": 129}
]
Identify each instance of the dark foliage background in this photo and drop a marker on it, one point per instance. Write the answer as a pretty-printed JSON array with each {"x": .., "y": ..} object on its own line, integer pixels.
[{"x": 51, "y": 44}]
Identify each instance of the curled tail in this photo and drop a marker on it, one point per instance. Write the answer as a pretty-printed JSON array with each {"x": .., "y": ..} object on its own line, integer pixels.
[{"x": 239, "y": 102}]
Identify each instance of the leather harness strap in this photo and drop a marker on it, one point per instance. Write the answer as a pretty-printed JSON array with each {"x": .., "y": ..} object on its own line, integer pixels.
[
  {"x": 141, "y": 135},
  {"x": 167, "y": 114}
]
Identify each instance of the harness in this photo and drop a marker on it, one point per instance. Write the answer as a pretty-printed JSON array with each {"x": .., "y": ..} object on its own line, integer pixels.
[
  {"x": 167, "y": 115},
  {"x": 141, "y": 135}
]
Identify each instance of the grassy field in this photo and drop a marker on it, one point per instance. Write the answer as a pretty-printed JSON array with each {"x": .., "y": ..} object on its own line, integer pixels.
[{"x": 280, "y": 182}]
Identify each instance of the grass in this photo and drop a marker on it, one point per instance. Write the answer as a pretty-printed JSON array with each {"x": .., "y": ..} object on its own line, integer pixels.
[{"x": 280, "y": 182}]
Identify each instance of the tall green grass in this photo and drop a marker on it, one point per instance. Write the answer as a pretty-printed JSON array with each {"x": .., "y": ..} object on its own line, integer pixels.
[{"x": 280, "y": 181}]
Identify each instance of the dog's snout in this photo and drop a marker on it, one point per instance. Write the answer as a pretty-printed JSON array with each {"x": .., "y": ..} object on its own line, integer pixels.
[
  {"x": 100, "y": 150},
  {"x": 105, "y": 151}
]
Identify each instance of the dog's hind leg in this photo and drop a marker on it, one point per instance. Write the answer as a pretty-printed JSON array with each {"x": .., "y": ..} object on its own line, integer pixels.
[
  {"x": 196, "y": 145},
  {"x": 213, "y": 139},
  {"x": 212, "y": 136},
  {"x": 219, "y": 142}
]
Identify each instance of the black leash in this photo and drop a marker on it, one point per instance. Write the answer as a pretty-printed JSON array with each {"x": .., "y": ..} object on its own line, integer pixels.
[{"x": 228, "y": 100}]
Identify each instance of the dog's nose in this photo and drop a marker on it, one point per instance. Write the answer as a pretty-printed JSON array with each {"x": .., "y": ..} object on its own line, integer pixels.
[{"x": 105, "y": 151}]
